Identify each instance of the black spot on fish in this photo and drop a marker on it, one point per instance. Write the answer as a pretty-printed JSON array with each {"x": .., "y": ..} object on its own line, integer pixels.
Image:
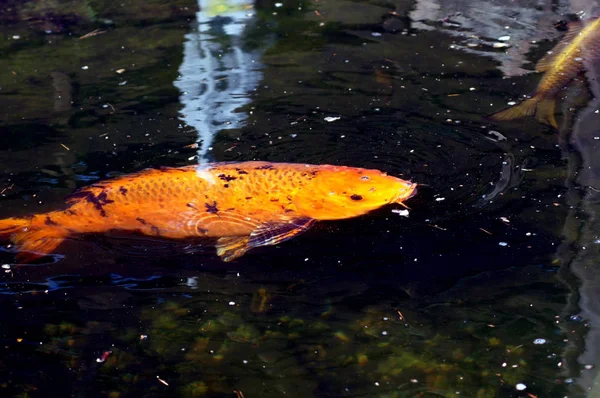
[
  {"x": 211, "y": 208},
  {"x": 70, "y": 212},
  {"x": 141, "y": 220},
  {"x": 225, "y": 185},
  {"x": 227, "y": 177},
  {"x": 248, "y": 197},
  {"x": 288, "y": 210},
  {"x": 240, "y": 171},
  {"x": 49, "y": 221},
  {"x": 98, "y": 201},
  {"x": 202, "y": 231},
  {"x": 274, "y": 200},
  {"x": 155, "y": 230},
  {"x": 264, "y": 167},
  {"x": 356, "y": 197},
  {"x": 123, "y": 190},
  {"x": 192, "y": 206}
]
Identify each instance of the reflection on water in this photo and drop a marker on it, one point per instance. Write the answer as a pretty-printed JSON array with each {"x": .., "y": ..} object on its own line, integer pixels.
[
  {"x": 580, "y": 251},
  {"x": 218, "y": 72}
]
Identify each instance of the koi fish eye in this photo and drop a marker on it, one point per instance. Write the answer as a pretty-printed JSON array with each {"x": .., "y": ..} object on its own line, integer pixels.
[
  {"x": 356, "y": 197},
  {"x": 365, "y": 178}
]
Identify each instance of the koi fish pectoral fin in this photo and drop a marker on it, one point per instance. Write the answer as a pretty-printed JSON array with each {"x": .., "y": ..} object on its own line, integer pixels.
[
  {"x": 272, "y": 234},
  {"x": 231, "y": 247}
]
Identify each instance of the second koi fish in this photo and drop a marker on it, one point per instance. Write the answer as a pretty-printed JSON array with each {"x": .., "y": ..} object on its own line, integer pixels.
[
  {"x": 564, "y": 63},
  {"x": 244, "y": 205}
]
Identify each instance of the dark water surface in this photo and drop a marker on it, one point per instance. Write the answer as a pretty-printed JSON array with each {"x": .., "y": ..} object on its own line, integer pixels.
[{"x": 490, "y": 288}]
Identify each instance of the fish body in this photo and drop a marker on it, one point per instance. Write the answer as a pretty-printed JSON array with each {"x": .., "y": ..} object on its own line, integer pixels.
[
  {"x": 566, "y": 61},
  {"x": 244, "y": 205}
]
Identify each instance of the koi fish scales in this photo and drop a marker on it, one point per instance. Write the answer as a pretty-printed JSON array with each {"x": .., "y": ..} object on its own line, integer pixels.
[{"x": 244, "y": 205}]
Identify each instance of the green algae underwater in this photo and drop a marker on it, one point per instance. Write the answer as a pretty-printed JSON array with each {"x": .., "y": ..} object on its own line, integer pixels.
[{"x": 485, "y": 290}]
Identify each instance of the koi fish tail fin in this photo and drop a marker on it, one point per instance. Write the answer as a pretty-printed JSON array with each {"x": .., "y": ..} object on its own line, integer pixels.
[
  {"x": 30, "y": 240},
  {"x": 542, "y": 108},
  {"x": 545, "y": 112},
  {"x": 525, "y": 108}
]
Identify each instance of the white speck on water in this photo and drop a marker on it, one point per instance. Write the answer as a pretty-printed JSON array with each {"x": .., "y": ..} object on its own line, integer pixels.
[
  {"x": 5, "y": 266},
  {"x": 85, "y": 67},
  {"x": 377, "y": 384},
  {"x": 511, "y": 103},
  {"x": 401, "y": 212},
  {"x": 278, "y": 5},
  {"x": 245, "y": 361},
  {"x": 504, "y": 38},
  {"x": 500, "y": 45},
  {"x": 528, "y": 234},
  {"x": 124, "y": 82},
  {"x": 16, "y": 37},
  {"x": 232, "y": 303},
  {"x": 384, "y": 333},
  {"x": 376, "y": 34},
  {"x": 588, "y": 367},
  {"x": 503, "y": 364},
  {"x": 330, "y": 119},
  {"x": 503, "y": 244},
  {"x": 520, "y": 386},
  {"x": 539, "y": 341},
  {"x": 439, "y": 199}
]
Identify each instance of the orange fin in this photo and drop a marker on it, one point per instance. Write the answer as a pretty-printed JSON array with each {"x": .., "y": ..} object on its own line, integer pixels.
[
  {"x": 231, "y": 247},
  {"x": 548, "y": 60},
  {"x": 32, "y": 242},
  {"x": 272, "y": 234},
  {"x": 542, "y": 109}
]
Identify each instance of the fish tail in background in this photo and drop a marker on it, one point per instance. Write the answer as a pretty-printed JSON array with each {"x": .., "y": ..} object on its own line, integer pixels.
[
  {"x": 31, "y": 238},
  {"x": 545, "y": 112},
  {"x": 542, "y": 108}
]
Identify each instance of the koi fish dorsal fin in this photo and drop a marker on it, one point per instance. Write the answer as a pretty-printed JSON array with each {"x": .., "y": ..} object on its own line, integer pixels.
[{"x": 549, "y": 59}]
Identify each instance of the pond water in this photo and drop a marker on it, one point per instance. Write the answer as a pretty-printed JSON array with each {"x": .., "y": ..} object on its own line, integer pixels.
[{"x": 488, "y": 289}]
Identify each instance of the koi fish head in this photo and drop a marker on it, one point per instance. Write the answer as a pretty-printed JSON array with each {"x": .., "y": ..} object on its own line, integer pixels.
[{"x": 336, "y": 192}]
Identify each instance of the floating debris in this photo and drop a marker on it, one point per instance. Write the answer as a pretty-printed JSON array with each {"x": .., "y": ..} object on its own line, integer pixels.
[
  {"x": 520, "y": 386},
  {"x": 330, "y": 119},
  {"x": 503, "y": 244},
  {"x": 401, "y": 212},
  {"x": 539, "y": 341}
]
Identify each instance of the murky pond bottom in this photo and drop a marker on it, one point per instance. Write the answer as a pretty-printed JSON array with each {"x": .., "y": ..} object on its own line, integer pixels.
[{"x": 486, "y": 289}]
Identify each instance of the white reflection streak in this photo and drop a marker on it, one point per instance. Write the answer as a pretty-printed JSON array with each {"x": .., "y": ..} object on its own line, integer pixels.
[{"x": 217, "y": 74}]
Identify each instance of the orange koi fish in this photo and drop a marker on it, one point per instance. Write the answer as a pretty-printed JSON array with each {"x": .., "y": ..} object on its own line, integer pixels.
[
  {"x": 564, "y": 63},
  {"x": 244, "y": 205}
]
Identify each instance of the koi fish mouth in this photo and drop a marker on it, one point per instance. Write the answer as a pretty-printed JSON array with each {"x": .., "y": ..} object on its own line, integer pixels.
[{"x": 407, "y": 193}]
